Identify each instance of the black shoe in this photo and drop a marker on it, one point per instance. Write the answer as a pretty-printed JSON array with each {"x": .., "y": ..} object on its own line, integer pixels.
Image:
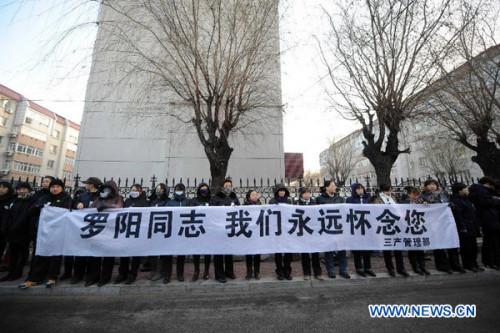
[
  {"x": 130, "y": 280},
  {"x": 370, "y": 272},
  {"x": 281, "y": 277},
  {"x": 5, "y": 278},
  {"x": 206, "y": 276},
  {"x": 120, "y": 279},
  {"x": 392, "y": 272},
  {"x": 180, "y": 278},
  {"x": 332, "y": 275},
  {"x": 462, "y": 270},
  {"x": 257, "y": 276},
  {"x": 221, "y": 279},
  {"x": 418, "y": 271},
  {"x": 75, "y": 280},
  {"x": 345, "y": 275},
  {"x": 195, "y": 275},
  {"x": 103, "y": 282},
  {"x": 288, "y": 277},
  {"x": 473, "y": 269},
  {"x": 426, "y": 272},
  {"x": 65, "y": 276},
  {"x": 166, "y": 280},
  {"x": 249, "y": 275},
  {"x": 360, "y": 272},
  {"x": 231, "y": 275},
  {"x": 90, "y": 282},
  {"x": 495, "y": 267},
  {"x": 480, "y": 269},
  {"x": 403, "y": 273}
]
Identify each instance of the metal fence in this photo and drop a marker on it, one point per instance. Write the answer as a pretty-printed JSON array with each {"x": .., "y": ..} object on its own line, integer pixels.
[{"x": 264, "y": 187}]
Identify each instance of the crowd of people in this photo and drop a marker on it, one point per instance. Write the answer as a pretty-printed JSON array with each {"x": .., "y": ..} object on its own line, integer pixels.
[{"x": 476, "y": 210}]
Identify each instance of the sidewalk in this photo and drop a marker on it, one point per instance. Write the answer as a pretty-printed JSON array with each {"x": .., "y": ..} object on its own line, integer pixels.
[{"x": 268, "y": 281}]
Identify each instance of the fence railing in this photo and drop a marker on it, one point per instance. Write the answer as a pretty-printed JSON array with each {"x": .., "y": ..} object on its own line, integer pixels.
[{"x": 264, "y": 187}]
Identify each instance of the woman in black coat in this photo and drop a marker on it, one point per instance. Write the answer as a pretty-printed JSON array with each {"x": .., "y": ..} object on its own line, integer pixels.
[
  {"x": 467, "y": 226},
  {"x": 158, "y": 198},
  {"x": 6, "y": 198},
  {"x": 203, "y": 198},
  {"x": 16, "y": 227},
  {"x": 252, "y": 260}
]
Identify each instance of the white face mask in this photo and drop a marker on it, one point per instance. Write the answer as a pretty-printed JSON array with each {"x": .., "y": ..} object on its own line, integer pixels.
[
  {"x": 134, "y": 194},
  {"x": 105, "y": 193}
]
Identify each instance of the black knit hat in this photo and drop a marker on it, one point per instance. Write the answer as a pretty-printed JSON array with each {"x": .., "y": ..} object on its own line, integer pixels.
[
  {"x": 23, "y": 185},
  {"x": 455, "y": 188},
  {"x": 57, "y": 182}
]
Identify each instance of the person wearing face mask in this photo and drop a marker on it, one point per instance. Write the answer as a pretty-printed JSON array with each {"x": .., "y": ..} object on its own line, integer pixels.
[
  {"x": 158, "y": 198},
  {"x": 179, "y": 200},
  {"x": 101, "y": 269},
  {"x": 251, "y": 199},
  {"x": 283, "y": 261},
  {"x": 223, "y": 264},
  {"x": 16, "y": 226},
  {"x": 203, "y": 197},
  {"x": 6, "y": 198},
  {"x": 127, "y": 271},
  {"x": 43, "y": 266}
]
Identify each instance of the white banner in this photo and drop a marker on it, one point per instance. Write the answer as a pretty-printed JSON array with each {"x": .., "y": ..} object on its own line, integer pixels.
[{"x": 244, "y": 229}]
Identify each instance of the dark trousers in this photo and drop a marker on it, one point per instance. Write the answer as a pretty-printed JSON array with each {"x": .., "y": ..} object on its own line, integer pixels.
[
  {"x": 129, "y": 270},
  {"x": 307, "y": 262},
  {"x": 45, "y": 267},
  {"x": 3, "y": 245},
  {"x": 491, "y": 247},
  {"x": 398, "y": 255},
  {"x": 19, "y": 253},
  {"x": 94, "y": 269},
  {"x": 196, "y": 262},
  {"x": 168, "y": 263},
  {"x": 106, "y": 268},
  {"x": 223, "y": 265},
  {"x": 447, "y": 259},
  {"x": 81, "y": 264},
  {"x": 253, "y": 261},
  {"x": 417, "y": 260},
  {"x": 468, "y": 251},
  {"x": 69, "y": 263},
  {"x": 362, "y": 260},
  {"x": 283, "y": 263}
]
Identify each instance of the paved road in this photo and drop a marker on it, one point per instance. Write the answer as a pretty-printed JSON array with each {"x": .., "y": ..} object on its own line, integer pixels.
[{"x": 323, "y": 309}]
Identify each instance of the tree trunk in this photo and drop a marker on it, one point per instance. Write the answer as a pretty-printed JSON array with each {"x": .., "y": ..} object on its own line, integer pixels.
[
  {"x": 488, "y": 158},
  {"x": 382, "y": 163},
  {"x": 218, "y": 158}
]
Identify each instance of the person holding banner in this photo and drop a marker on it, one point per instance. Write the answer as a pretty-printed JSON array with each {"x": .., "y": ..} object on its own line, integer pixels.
[
  {"x": 252, "y": 198},
  {"x": 15, "y": 226},
  {"x": 445, "y": 262},
  {"x": 223, "y": 264},
  {"x": 158, "y": 198},
  {"x": 6, "y": 198},
  {"x": 127, "y": 271},
  {"x": 329, "y": 196},
  {"x": 203, "y": 198},
  {"x": 416, "y": 257},
  {"x": 385, "y": 195},
  {"x": 109, "y": 197},
  {"x": 42, "y": 266},
  {"x": 179, "y": 200},
  {"x": 283, "y": 262},
  {"x": 362, "y": 259},
  {"x": 305, "y": 200}
]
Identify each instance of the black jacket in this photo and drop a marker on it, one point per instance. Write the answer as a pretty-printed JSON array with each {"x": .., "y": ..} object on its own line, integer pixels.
[
  {"x": 156, "y": 201},
  {"x": 61, "y": 200},
  {"x": 17, "y": 220},
  {"x": 465, "y": 215},
  {"x": 302, "y": 202},
  {"x": 221, "y": 199},
  {"x": 325, "y": 199},
  {"x": 355, "y": 198},
  {"x": 86, "y": 198},
  {"x": 140, "y": 201},
  {"x": 202, "y": 200},
  {"x": 486, "y": 206},
  {"x": 5, "y": 202},
  {"x": 179, "y": 200},
  {"x": 284, "y": 200}
]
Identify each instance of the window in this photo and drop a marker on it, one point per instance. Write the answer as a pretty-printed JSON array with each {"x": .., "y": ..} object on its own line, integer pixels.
[
  {"x": 67, "y": 174},
  {"x": 69, "y": 160},
  {"x": 412, "y": 165},
  {"x": 71, "y": 146},
  {"x": 53, "y": 149},
  {"x": 12, "y": 146},
  {"x": 422, "y": 161},
  {"x": 26, "y": 167},
  {"x": 50, "y": 164},
  {"x": 3, "y": 121},
  {"x": 56, "y": 134}
]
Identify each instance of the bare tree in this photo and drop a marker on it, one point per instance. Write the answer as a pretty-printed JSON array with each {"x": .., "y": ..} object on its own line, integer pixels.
[
  {"x": 466, "y": 100},
  {"x": 341, "y": 159},
  {"x": 379, "y": 55},
  {"x": 216, "y": 56},
  {"x": 311, "y": 178}
]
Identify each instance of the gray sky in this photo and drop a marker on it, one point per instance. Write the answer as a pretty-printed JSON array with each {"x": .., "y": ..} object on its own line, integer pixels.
[{"x": 27, "y": 35}]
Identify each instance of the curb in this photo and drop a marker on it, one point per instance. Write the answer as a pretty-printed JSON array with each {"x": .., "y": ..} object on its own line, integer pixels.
[{"x": 143, "y": 287}]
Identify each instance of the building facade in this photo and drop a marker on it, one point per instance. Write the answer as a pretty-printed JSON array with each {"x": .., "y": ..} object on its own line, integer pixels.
[{"x": 34, "y": 141}]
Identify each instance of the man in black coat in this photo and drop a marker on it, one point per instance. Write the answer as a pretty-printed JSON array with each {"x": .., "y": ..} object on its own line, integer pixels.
[{"x": 483, "y": 197}]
